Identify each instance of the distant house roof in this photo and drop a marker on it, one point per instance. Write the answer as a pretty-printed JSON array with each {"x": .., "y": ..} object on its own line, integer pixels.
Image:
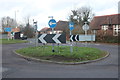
[
  {"x": 44, "y": 29},
  {"x": 98, "y": 21},
  {"x": 17, "y": 29},
  {"x": 61, "y": 25},
  {"x": 47, "y": 29}
]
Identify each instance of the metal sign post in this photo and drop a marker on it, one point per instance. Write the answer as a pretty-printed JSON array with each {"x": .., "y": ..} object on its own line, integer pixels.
[
  {"x": 52, "y": 24},
  {"x": 36, "y": 33},
  {"x": 85, "y": 27},
  {"x": 71, "y": 48},
  {"x": 71, "y": 27},
  {"x": 85, "y": 37},
  {"x": 53, "y": 43}
]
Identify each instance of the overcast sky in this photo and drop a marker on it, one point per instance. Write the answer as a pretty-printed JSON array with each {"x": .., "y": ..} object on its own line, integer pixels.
[{"x": 60, "y": 9}]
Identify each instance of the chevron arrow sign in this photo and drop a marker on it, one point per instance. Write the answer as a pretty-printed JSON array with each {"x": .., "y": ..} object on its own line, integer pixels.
[
  {"x": 74, "y": 38},
  {"x": 82, "y": 38},
  {"x": 51, "y": 38}
]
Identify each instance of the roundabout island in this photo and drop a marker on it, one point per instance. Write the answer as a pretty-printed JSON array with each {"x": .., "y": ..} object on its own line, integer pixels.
[{"x": 62, "y": 54}]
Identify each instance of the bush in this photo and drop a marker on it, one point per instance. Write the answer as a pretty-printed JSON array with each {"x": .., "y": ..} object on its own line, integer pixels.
[
  {"x": 29, "y": 31},
  {"x": 107, "y": 39}
]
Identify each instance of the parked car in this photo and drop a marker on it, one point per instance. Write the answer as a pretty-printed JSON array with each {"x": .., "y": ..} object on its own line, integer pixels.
[{"x": 19, "y": 35}]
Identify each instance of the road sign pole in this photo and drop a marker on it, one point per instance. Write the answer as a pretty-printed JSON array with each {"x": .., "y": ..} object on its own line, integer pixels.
[
  {"x": 85, "y": 27},
  {"x": 71, "y": 48},
  {"x": 53, "y": 43},
  {"x": 58, "y": 48},
  {"x": 36, "y": 33},
  {"x": 71, "y": 27},
  {"x": 52, "y": 24},
  {"x": 76, "y": 45},
  {"x": 85, "y": 38},
  {"x": 8, "y": 36},
  {"x": 52, "y": 30},
  {"x": 92, "y": 36},
  {"x": 36, "y": 36}
]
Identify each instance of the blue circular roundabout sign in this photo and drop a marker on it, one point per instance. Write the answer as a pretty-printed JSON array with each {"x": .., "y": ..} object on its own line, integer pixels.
[{"x": 52, "y": 23}]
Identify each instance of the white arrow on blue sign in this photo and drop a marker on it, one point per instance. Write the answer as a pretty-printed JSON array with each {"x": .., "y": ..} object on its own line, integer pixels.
[
  {"x": 7, "y": 29},
  {"x": 52, "y": 23},
  {"x": 71, "y": 26}
]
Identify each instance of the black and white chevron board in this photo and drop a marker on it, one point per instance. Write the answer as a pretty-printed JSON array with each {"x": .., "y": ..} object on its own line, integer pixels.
[
  {"x": 74, "y": 38},
  {"x": 51, "y": 38},
  {"x": 82, "y": 38}
]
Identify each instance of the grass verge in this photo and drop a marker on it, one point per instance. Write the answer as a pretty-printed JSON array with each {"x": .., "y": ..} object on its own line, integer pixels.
[
  {"x": 62, "y": 53},
  {"x": 6, "y": 41}
]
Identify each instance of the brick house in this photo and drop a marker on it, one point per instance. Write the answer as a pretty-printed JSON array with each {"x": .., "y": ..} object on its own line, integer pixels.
[{"x": 107, "y": 24}]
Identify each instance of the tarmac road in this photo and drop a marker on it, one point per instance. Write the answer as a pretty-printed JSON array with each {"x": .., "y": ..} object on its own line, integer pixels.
[{"x": 17, "y": 67}]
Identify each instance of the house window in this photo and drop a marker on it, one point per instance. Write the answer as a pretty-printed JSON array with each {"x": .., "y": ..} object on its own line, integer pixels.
[
  {"x": 104, "y": 27},
  {"x": 116, "y": 29}
]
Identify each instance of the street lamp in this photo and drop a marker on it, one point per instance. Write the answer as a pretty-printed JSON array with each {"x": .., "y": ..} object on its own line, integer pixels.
[{"x": 16, "y": 18}]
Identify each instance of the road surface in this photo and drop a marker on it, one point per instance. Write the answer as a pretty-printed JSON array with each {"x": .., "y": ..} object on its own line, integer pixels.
[{"x": 17, "y": 67}]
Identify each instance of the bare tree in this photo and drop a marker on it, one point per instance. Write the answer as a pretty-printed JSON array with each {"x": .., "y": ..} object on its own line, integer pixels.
[
  {"x": 79, "y": 17},
  {"x": 8, "y": 22},
  {"x": 85, "y": 15}
]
